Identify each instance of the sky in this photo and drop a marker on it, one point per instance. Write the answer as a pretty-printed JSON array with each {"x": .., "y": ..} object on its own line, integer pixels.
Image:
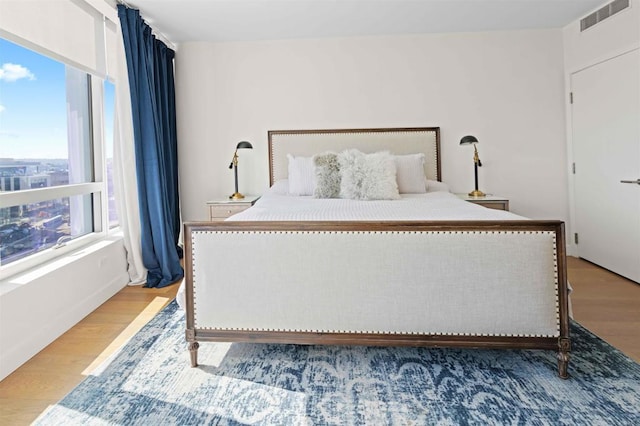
[{"x": 33, "y": 108}]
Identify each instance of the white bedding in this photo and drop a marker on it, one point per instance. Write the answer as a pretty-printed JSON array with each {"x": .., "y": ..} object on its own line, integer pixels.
[{"x": 430, "y": 206}]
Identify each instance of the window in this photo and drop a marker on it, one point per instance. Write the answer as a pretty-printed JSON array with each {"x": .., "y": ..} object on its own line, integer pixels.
[
  {"x": 50, "y": 154},
  {"x": 109, "y": 111}
]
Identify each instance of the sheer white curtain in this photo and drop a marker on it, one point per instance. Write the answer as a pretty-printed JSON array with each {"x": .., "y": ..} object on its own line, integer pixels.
[{"x": 124, "y": 170}]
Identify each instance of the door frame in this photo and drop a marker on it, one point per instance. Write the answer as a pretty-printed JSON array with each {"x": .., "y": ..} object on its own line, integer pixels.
[{"x": 572, "y": 249}]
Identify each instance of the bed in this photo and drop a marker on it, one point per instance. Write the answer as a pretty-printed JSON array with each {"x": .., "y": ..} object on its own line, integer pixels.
[{"x": 425, "y": 269}]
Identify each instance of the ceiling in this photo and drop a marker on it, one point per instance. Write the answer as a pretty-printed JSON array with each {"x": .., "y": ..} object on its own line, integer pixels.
[{"x": 246, "y": 20}]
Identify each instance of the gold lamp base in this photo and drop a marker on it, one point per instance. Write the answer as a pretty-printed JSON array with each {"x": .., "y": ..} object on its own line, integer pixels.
[
  {"x": 236, "y": 196},
  {"x": 477, "y": 194}
]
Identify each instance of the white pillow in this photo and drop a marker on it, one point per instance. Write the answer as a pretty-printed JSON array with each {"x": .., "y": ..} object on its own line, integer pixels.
[
  {"x": 410, "y": 173},
  {"x": 280, "y": 187},
  {"x": 368, "y": 176},
  {"x": 301, "y": 175},
  {"x": 435, "y": 186}
]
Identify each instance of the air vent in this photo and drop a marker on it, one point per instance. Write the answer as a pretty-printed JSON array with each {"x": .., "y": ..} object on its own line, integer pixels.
[{"x": 603, "y": 13}]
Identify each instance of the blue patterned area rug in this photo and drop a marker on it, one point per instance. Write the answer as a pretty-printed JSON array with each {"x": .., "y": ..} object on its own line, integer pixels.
[{"x": 150, "y": 382}]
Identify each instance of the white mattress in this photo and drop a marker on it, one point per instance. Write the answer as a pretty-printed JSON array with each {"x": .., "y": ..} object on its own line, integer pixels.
[{"x": 430, "y": 206}]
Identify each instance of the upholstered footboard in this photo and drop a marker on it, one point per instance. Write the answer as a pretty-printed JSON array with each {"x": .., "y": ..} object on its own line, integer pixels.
[{"x": 498, "y": 284}]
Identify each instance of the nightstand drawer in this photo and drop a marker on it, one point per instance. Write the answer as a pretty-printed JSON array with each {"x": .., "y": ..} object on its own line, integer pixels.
[
  {"x": 489, "y": 201},
  {"x": 222, "y": 208},
  {"x": 222, "y": 212},
  {"x": 498, "y": 205}
]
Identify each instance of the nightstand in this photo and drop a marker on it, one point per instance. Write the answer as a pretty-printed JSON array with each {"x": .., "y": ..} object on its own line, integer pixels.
[
  {"x": 222, "y": 208},
  {"x": 489, "y": 201}
]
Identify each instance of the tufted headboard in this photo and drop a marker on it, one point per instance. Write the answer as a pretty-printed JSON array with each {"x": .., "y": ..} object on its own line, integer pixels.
[{"x": 395, "y": 140}]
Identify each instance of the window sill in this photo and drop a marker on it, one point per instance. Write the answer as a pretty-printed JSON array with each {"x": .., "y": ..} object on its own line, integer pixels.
[{"x": 72, "y": 253}]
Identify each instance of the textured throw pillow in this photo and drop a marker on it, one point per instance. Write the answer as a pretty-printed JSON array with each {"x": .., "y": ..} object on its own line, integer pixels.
[
  {"x": 301, "y": 180},
  {"x": 410, "y": 173},
  {"x": 327, "y": 173},
  {"x": 368, "y": 176}
]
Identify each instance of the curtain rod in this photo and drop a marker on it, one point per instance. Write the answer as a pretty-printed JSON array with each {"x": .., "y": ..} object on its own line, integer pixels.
[{"x": 163, "y": 38}]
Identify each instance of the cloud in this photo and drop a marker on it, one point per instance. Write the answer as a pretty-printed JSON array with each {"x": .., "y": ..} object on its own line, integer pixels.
[
  {"x": 13, "y": 72},
  {"x": 2, "y": 108}
]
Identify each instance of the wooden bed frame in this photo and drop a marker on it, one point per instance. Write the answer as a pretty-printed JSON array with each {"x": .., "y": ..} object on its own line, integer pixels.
[{"x": 226, "y": 299}]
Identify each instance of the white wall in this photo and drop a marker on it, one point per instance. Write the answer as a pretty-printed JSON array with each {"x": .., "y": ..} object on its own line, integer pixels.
[
  {"x": 613, "y": 36},
  {"x": 506, "y": 88},
  {"x": 39, "y": 306}
]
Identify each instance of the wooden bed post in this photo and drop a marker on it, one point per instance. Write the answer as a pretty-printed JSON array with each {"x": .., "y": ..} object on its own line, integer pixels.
[
  {"x": 193, "y": 346},
  {"x": 564, "y": 341},
  {"x": 193, "y": 352},
  {"x": 190, "y": 332},
  {"x": 564, "y": 347}
]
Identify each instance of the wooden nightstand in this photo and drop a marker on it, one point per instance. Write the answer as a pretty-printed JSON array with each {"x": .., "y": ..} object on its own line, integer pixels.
[
  {"x": 489, "y": 201},
  {"x": 222, "y": 208}
]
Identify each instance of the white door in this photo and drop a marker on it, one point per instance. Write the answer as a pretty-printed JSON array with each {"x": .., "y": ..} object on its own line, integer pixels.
[{"x": 606, "y": 151}]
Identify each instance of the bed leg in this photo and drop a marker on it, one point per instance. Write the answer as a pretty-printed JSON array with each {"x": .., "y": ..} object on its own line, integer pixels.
[
  {"x": 564, "y": 347},
  {"x": 193, "y": 351}
]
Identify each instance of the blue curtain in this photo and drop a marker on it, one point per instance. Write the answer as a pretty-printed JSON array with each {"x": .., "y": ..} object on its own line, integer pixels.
[{"x": 150, "y": 70}]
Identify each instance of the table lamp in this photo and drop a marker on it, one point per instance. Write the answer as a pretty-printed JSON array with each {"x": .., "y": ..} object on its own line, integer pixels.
[
  {"x": 234, "y": 165},
  {"x": 471, "y": 140}
]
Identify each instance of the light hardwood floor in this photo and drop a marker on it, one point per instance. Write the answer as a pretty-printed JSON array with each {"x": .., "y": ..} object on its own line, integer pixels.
[
  {"x": 606, "y": 304},
  {"x": 603, "y": 302},
  {"x": 57, "y": 369}
]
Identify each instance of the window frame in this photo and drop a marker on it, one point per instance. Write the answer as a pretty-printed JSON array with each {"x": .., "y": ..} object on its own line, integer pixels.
[
  {"x": 105, "y": 171},
  {"x": 97, "y": 189}
]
